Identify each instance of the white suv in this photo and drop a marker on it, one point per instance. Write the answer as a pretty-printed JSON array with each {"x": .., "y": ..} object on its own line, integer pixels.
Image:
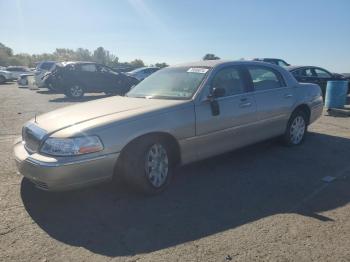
[{"x": 5, "y": 76}]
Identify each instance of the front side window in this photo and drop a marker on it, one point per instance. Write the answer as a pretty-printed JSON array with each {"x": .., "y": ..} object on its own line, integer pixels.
[
  {"x": 170, "y": 83},
  {"x": 265, "y": 78},
  {"x": 322, "y": 74},
  {"x": 88, "y": 68},
  {"x": 229, "y": 79}
]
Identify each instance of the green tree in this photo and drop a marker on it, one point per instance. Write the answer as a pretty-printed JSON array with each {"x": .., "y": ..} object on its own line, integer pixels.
[
  {"x": 210, "y": 57},
  {"x": 82, "y": 54},
  {"x": 100, "y": 55},
  {"x": 6, "y": 49},
  {"x": 64, "y": 54},
  {"x": 161, "y": 65},
  {"x": 5, "y": 54},
  {"x": 137, "y": 63}
]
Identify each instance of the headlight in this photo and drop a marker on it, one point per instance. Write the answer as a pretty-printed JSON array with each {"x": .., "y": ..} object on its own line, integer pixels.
[{"x": 71, "y": 146}]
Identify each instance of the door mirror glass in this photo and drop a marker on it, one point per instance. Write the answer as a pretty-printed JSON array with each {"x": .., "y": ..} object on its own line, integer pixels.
[{"x": 218, "y": 92}]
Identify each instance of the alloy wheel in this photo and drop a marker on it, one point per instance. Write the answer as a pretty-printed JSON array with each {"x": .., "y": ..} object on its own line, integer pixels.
[
  {"x": 297, "y": 130},
  {"x": 157, "y": 165},
  {"x": 76, "y": 91}
]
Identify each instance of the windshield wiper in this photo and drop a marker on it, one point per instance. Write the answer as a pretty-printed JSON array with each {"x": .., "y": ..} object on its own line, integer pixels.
[{"x": 136, "y": 96}]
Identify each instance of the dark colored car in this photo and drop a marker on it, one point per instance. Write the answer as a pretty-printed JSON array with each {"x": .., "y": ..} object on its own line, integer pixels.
[
  {"x": 76, "y": 78},
  {"x": 275, "y": 61},
  {"x": 316, "y": 75}
]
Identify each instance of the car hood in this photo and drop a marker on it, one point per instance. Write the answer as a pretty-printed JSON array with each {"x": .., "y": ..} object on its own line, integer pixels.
[{"x": 116, "y": 107}]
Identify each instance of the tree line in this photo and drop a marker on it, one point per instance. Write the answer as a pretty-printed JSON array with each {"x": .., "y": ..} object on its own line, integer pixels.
[{"x": 99, "y": 55}]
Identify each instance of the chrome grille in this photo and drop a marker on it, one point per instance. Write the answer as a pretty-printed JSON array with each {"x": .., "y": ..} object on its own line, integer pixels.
[{"x": 32, "y": 136}]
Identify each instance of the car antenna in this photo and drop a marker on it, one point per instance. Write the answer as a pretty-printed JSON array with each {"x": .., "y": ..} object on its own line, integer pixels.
[{"x": 35, "y": 118}]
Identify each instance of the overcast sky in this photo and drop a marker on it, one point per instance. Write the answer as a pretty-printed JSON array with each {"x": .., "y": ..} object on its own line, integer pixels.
[{"x": 301, "y": 32}]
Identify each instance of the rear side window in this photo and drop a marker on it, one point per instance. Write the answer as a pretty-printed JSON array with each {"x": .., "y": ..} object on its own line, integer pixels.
[
  {"x": 229, "y": 79},
  {"x": 265, "y": 78},
  {"x": 88, "y": 68}
]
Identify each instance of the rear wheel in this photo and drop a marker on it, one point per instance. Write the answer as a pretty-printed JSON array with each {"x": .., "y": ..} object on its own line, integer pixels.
[
  {"x": 296, "y": 128},
  {"x": 75, "y": 91},
  {"x": 147, "y": 165}
]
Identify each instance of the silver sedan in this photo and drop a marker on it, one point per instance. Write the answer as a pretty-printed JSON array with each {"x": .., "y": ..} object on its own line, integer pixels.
[{"x": 178, "y": 115}]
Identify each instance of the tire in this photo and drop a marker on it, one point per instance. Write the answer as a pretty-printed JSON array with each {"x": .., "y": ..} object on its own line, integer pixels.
[
  {"x": 296, "y": 128},
  {"x": 2, "y": 79},
  {"x": 75, "y": 91},
  {"x": 147, "y": 165}
]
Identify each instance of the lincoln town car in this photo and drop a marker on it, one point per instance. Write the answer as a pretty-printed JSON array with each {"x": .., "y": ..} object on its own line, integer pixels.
[{"x": 178, "y": 115}]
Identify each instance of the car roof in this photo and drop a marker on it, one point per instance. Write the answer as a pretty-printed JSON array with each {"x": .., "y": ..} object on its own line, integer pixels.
[
  {"x": 220, "y": 62},
  {"x": 292, "y": 68},
  {"x": 16, "y": 67},
  {"x": 203, "y": 63},
  {"x": 267, "y": 58}
]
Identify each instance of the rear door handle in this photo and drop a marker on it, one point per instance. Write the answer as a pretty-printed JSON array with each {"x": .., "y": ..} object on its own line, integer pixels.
[
  {"x": 288, "y": 95},
  {"x": 248, "y": 104}
]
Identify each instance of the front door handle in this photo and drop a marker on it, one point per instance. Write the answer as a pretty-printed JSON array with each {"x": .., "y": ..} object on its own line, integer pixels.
[
  {"x": 248, "y": 104},
  {"x": 288, "y": 95}
]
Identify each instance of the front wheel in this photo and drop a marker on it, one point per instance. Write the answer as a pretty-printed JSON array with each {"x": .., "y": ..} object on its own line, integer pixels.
[
  {"x": 2, "y": 79},
  {"x": 75, "y": 91},
  {"x": 296, "y": 129},
  {"x": 147, "y": 165}
]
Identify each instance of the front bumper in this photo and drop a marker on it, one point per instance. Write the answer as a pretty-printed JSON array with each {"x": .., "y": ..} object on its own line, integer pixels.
[{"x": 64, "y": 173}]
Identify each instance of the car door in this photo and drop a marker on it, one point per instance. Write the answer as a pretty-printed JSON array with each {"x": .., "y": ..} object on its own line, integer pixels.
[
  {"x": 322, "y": 78},
  {"x": 87, "y": 75},
  {"x": 307, "y": 75},
  {"x": 233, "y": 126},
  {"x": 274, "y": 100},
  {"x": 110, "y": 81}
]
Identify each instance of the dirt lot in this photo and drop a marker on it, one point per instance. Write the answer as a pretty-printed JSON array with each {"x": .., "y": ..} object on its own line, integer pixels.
[{"x": 262, "y": 203}]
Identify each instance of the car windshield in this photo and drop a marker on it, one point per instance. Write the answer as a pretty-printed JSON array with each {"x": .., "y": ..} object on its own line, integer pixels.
[{"x": 170, "y": 83}]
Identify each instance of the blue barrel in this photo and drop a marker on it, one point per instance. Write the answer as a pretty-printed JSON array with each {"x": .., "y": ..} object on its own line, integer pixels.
[{"x": 336, "y": 94}]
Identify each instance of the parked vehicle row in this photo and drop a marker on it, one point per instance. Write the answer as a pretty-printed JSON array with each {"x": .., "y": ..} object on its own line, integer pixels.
[
  {"x": 41, "y": 69},
  {"x": 11, "y": 73},
  {"x": 5, "y": 76},
  {"x": 76, "y": 78},
  {"x": 308, "y": 74},
  {"x": 17, "y": 71},
  {"x": 316, "y": 75},
  {"x": 178, "y": 115}
]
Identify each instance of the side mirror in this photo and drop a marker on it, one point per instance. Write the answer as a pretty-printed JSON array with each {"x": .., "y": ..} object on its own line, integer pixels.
[{"x": 216, "y": 92}]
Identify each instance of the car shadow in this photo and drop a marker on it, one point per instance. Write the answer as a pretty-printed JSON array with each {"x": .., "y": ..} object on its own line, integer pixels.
[
  {"x": 7, "y": 83},
  {"x": 205, "y": 198},
  {"x": 46, "y": 92}
]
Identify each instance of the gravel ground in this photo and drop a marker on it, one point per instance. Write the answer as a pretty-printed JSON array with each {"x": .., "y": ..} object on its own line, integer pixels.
[{"x": 262, "y": 203}]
